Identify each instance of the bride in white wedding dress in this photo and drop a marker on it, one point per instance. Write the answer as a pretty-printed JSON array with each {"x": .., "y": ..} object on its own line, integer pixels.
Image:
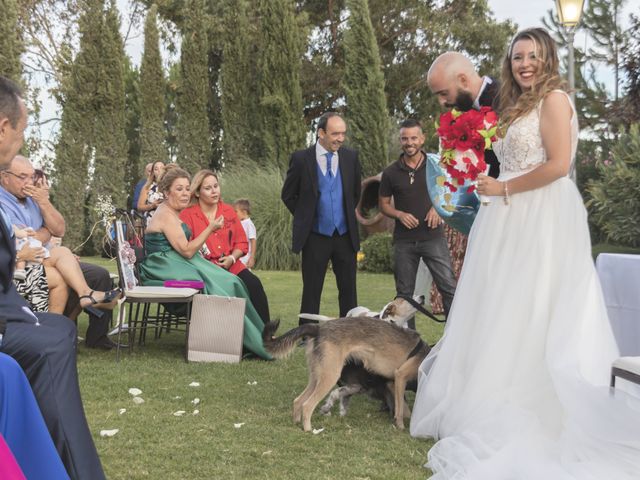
[{"x": 517, "y": 388}]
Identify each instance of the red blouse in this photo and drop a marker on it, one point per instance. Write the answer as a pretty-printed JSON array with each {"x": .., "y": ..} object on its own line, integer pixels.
[{"x": 223, "y": 241}]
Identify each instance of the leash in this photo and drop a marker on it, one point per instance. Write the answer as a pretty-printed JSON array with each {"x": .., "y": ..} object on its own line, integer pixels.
[{"x": 420, "y": 308}]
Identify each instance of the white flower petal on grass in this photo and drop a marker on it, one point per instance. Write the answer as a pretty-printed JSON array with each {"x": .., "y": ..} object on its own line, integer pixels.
[
  {"x": 135, "y": 392},
  {"x": 138, "y": 400},
  {"x": 268, "y": 452},
  {"x": 194, "y": 384},
  {"x": 316, "y": 431},
  {"x": 195, "y": 401},
  {"x": 179, "y": 413},
  {"x": 121, "y": 411},
  {"x": 109, "y": 433},
  {"x": 252, "y": 383},
  {"x": 238, "y": 425},
  {"x": 196, "y": 412},
  {"x": 177, "y": 397}
]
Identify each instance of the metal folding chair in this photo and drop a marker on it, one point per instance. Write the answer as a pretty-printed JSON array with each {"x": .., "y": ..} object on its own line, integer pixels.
[
  {"x": 143, "y": 297},
  {"x": 627, "y": 368}
]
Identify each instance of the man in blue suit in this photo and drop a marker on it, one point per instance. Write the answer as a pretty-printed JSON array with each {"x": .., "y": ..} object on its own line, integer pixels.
[
  {"x": 321, "y": 190},
  {"x": 43, "y": 344}
]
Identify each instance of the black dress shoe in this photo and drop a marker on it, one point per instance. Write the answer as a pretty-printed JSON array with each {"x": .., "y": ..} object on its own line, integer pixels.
[{"x": 105, "y": 343}]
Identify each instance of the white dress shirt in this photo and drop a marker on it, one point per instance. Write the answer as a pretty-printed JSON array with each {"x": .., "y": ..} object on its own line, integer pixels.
[
  {"x": 485, "y": 82},
  {"x": 321, "y": 158}
]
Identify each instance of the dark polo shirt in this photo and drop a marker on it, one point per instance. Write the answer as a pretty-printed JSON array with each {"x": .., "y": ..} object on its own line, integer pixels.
[{"x": 409, "y": 197}]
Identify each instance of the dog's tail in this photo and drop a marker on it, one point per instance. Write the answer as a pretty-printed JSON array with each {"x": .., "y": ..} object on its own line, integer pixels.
[{"x": 283, "y": 345}]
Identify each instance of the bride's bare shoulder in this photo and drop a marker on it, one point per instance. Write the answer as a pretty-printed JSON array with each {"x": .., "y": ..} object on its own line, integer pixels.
[{"x": 556, "y": 103}]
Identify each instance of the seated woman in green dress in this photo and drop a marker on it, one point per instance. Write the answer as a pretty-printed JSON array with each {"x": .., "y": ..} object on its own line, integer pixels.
[{"x": 172, "y": 255}]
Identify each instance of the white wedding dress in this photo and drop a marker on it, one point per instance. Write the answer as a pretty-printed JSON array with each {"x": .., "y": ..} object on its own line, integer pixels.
[{"x": 517, "y": 388}]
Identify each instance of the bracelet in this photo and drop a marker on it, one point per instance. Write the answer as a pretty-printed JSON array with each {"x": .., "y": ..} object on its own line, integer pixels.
[
  {"x": 506, "y": 193},
  {"x": 232, "y": 258}
]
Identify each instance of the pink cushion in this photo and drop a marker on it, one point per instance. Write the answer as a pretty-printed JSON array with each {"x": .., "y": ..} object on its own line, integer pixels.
[{"x": 197, "y": 284}]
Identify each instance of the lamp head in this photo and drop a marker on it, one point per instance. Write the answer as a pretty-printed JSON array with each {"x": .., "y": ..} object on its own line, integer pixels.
[{"x": 569, "y": 12}]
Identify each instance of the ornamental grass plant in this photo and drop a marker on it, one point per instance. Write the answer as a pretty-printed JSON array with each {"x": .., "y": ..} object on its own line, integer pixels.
[{"x": 272, "y": 219}]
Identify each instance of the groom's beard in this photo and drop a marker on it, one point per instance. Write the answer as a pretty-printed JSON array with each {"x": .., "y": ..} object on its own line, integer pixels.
[{"x": 464, "y": 101}]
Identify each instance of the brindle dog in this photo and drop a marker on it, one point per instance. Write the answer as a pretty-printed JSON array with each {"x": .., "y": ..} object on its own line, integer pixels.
[{"x": 383, "y": 349}]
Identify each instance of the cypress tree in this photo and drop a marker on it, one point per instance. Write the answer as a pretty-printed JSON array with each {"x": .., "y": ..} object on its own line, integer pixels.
[
  {"x": 214, "y": 110},
  {"x": 605, "y": 30},
  {"x": 75, "y": 146},
  {"x": 367, "y": 116},
  {"x": 11, "y": 46},
  {"x": 152, "y": 130},
  {"x": 111, "y": 147},
  {"x": 629, "y": 107},
  {"x": 280, "y": 120},
  {"x": 69, "y": 189},
  {"x": 193, "y": 121},
  {"x": 237, "y": 79},
  {"x": 132, "y": 107},
  {"x": 170, "y": 110}
]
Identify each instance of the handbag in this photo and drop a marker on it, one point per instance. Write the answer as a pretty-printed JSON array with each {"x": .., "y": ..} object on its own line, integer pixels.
[{"x": 216, "y": 329}]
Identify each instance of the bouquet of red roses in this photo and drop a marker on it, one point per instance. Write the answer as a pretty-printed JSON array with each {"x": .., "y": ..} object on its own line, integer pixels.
[{"x": 464, "y": 136}]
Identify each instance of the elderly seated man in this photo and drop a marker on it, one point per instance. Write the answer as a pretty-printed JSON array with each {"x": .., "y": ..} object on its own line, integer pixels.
[{"x": 27, "y": 205}]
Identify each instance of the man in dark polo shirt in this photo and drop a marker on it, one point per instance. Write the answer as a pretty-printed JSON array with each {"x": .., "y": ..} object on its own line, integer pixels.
[{"x": 418, "y": 230}]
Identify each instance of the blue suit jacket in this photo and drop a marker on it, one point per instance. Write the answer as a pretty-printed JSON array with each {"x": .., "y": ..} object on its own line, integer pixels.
[{"x": 300, "y": 192}]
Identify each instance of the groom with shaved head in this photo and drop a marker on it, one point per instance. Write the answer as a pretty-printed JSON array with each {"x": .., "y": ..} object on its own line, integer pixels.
[{"x": 454, "y": 80}]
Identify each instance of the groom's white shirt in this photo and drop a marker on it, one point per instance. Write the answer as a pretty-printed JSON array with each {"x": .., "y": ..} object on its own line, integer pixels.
[{"x": 485, "y": 81}]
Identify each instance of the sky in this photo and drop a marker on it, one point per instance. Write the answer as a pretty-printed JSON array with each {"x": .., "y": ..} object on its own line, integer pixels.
[{"x": 523, "y": 13}]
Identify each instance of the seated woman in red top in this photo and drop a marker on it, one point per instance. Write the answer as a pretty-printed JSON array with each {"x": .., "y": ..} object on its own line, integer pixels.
[{"x": 224, "y": 246}]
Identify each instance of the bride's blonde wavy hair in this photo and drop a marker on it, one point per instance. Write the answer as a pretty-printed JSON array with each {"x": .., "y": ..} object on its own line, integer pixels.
[{"x": 513, "y": 102}]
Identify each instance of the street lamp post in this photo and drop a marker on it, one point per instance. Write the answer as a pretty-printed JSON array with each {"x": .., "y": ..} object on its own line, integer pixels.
[{"x": 569, "y": 13}]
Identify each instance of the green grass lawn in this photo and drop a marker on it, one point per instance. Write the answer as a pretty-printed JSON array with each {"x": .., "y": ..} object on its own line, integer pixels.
[{"x": 153, "y": 443}]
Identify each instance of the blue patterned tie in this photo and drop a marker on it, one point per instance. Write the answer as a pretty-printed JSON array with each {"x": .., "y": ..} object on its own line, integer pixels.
[{"x": 329, "y": 171}]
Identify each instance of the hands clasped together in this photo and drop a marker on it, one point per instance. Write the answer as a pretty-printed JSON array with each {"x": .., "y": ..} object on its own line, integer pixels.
[
  {"x": 432, "y": 219},
  {"x": 225, "y": 261}
]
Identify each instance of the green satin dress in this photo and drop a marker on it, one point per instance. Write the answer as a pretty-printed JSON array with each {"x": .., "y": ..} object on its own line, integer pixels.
[{"x": 164, "y": 263}]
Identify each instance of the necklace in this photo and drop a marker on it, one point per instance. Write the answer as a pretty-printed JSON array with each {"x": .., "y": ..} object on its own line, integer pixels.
[{"x": 412, "y": 171}]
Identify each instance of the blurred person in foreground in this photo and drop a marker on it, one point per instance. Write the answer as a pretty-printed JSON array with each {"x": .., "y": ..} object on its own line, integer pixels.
[{"x": 44, "y": 344}]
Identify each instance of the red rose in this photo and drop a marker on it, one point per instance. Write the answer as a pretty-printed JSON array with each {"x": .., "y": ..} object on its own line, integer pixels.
[{"x": 491, "y": 118}]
